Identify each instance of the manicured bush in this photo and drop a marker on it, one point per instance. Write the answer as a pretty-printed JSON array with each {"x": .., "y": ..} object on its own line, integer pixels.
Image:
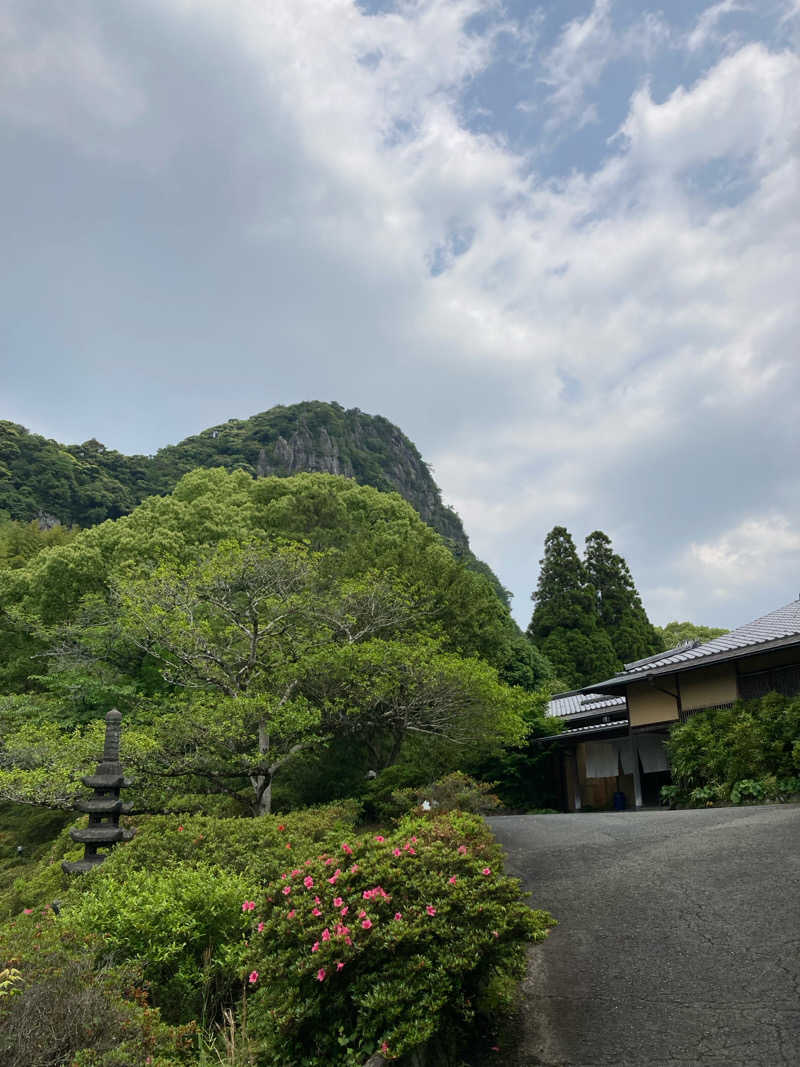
[
  {"x": 183, "y": 925},
  {"x": 65, "y": 1010},
  {"x": 385, "y": 944}
]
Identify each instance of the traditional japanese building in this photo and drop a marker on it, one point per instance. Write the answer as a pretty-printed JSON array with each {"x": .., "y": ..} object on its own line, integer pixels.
[{"x": 613, "y": 731}]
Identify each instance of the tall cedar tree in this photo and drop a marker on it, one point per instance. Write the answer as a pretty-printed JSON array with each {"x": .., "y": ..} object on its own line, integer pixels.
[
  {"x": 566, "y": 624},
  {"x": 619, "y": 606}
]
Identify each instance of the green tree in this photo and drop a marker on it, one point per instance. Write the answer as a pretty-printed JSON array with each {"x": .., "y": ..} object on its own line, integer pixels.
[
  {"x": 619, "y": 607},
  {"x": 197, "y": 611},
  {"x": 674, "y": 633},
  {"x": 565, "y": 625},
  {"x": 238, "y": 626}
]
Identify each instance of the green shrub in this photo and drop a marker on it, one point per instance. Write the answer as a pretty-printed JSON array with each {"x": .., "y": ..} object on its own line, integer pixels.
[
  {"x": 255, "y": 848},
  {"x": 67, "y": 1011},
  {"x": 385, "y": 943},
  {"x": 183, "y": 925},
  {"x": 455, "y": 792},
  {"x": 750, "y": 742}
]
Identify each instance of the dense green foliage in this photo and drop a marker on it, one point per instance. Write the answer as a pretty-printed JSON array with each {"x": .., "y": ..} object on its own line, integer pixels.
[
  {"x": 750, "y": 751},
  {"x": 675, "y": 633},
  {"x": 66, "y": 1009},
  {"x": 88, "y": 483},
  {"x": 390, "y": 942},
  {"x": 619, "y": 606},
  {"x": 218, "y": 918},
  {"x": 565, "y": 624},
  {"x": 588, "y": 619},
  {"x": 242, "y": 621}
]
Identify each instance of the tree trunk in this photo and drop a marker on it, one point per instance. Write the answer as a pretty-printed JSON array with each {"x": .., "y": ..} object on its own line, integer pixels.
[{"x": 262, "y": 783}]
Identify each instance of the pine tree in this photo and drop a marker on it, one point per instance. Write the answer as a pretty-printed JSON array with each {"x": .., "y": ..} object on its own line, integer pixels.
[
  {"x": 565, "y": 622},
  {"x": 619, "y": 607}
]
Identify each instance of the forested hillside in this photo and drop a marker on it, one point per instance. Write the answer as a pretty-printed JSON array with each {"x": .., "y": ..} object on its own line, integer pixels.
[{"x": 87, "y": 483}]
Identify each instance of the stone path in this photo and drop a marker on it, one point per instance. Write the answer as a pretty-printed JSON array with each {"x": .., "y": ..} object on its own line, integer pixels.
[{"x": 678, "y": 944}]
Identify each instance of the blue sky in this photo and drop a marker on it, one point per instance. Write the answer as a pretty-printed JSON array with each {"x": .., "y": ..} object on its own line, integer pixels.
[{"x": 558, "y": 245}]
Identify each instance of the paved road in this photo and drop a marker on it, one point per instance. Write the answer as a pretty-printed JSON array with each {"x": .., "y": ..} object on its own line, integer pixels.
[{"x": 678, "y": 943}]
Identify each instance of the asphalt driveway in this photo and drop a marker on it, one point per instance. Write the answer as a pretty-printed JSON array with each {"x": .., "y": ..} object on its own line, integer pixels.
[{"x": 678, "y": 943}]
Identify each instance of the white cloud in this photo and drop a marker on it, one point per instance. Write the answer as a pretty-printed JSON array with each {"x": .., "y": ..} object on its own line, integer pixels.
[
  {"x": 600, "y": 349},
  {"x": 56, "y": 74},
  {"x": 748, "y": 556},
  {"x": 583, "y": 51},
  {"x": 705, "y": 29}
]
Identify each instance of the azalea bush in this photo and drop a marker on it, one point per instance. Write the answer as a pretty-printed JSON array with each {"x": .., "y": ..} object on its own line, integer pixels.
[{"x": 384, "y": 944}]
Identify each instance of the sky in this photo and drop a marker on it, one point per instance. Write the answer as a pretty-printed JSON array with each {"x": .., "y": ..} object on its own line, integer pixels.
[{"x": 558, "y": 245}]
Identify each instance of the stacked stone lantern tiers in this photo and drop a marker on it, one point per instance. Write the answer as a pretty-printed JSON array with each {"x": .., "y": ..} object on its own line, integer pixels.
[{"x": 105, "y": 807}]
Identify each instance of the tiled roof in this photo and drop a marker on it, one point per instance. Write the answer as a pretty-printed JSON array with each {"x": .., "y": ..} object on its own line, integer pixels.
[
  {"x": 578, "y": 703},
  {"x": 783, "y": 623}
]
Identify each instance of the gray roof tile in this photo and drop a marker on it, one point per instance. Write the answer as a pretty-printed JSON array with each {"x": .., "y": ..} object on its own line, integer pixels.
[{"x": 782, "y": 623}]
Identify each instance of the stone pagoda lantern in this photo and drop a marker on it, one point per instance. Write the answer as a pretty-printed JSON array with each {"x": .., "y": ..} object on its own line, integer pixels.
[{"x": 105, "y": 807}]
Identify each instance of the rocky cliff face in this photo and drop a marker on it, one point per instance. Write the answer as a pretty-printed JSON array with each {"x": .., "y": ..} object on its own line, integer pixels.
[
  {"x": 367, "y": 448},
  {"x": 85, "y": 484}
]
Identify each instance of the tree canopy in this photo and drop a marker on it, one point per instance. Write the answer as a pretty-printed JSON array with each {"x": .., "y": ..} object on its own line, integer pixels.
[
  {"x": 566, "y": 623},
  {"x": 619, "y": 606},
  {"x": 202, "y": 613},
  {"x": 588, "y": 619}
]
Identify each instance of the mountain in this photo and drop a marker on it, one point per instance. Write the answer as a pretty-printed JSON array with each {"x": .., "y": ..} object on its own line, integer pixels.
[{"x": 88, "y": 483}]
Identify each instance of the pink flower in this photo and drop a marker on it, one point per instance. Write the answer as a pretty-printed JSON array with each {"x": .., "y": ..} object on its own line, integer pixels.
[
  {"x": 295, "y": 872},
  {"x": 334, "y": 877},
  {"x": 337, "y": 902},
  {"x": 291, "y": 914},
  {"x": 398, "y": 916},
  {"x": 384, "y": 1047},
  {"x": 260, "y": 928},
  {"x": 308, "y": 881},
  {"x": 413, "y": 840},
  {"x": 354, "y": 868},
  {"x": 430, "y": 909},
  {"x": 316, "y": 912},
  {"x": 326, "y": 934},
  {"x": 462, "y": 849},
  {"x": 380, "y": 838},
  {"x": 452, "y": 881},
  {"x": 180, "y": 829},
  {"x": 321, "y": 974},
  {"x": 317, "y": 901},
  {"x": 339, "y": 966},
  {"x": 496, "y": 934},
  {"x": 361, "y": 914},
  {"x": 27, "y": 911},
  {"x": 345, "y": 910},
  {"x": 315, "y": 947},
  {"x": 367, "y": 924},
  {"x": 288, "y": 845},
  {"x": 486, "y": 870},
  {"x": 253, "y": 977},
  {"x": 248, "y": 905},
  {"x": 287, "y": 890},
  {"x": 411, "y": 851},
  {"x": 396, "y": 852},
  {"x": 347, "y": 849}
]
